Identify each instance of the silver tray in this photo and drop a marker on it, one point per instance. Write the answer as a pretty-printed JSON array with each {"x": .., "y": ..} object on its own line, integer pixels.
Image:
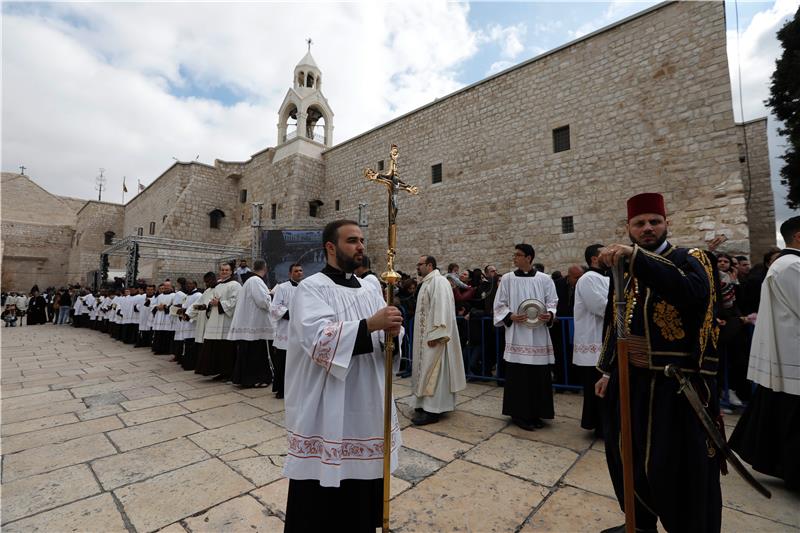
[{"x": 532, "y": 308}]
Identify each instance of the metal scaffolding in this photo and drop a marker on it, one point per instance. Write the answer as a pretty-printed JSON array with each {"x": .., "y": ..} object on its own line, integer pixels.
[{"x": 137, "y": 247}]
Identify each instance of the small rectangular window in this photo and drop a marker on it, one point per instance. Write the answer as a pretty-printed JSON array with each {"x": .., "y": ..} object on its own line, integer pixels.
[
  {"x": 436, "y": 173},
  {"x": 139, "y": 231},
  {"x": 273, "y": 214},
  {"x": 243, "y": 196},
  {"x": 152, "y": 228},
  {"x": 337, "y": 205},
  {"x": 561, "y": 139},
  {"x": 380, "y": 165},
  {"x": 567, "y": 226}
]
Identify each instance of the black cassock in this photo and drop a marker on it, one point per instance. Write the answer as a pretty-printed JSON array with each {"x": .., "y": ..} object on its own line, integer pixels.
[
  {"x": 37, "y": 311},
  {"x": 671, "y": 319}
]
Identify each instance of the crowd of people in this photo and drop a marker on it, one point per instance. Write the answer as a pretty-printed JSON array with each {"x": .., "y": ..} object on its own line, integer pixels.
[{"x": 319, "y": 341}]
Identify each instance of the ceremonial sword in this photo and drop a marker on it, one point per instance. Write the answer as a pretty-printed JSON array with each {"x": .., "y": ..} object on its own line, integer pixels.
[{"x": 714, "y": 434}]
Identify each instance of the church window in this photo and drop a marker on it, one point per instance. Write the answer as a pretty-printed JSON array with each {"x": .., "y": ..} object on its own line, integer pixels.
[
  {"x": 108, "y": 237},
  {"x": 152, "y": 228},
  {"x": 567, "y": 225},
  {"x": 273, "y": 214},
  {"x": 380, "y": 165},
  {"x": 310, "y": 80},
  {"x": 561, "y": 139},
  {"x": 140, "y": 231},
  {"x": 301, "y": 78},
  {"x": 337, "y": 205},
  {"x": 436, "y": 173},
  {"x": 243, "y": 196},
  {"x": 314, "y": 208},
  {"x": 215, "y": 218}
]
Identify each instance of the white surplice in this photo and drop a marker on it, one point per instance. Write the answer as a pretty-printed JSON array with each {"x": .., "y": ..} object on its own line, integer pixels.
[
  {"x": 185, "y": 328},
  {"x": 173, "y": 321},
  {"x": 199, "y": 317},
  {"x": 218, "y": 322},
  {"x": 775, "y": 350},
  {"x": 281, "y": 300},
  {"x": 161, "y": 320},
  {"x": 591, "y": 295},
  {"x": 524, "y": 344},
  {"x": 334, "y": 400},
  {"x": 146, "y": 313},
  {"x": 136, "y": 309},
  {"x": 438, "y": 371},
  {"x": 251, "y": 320}
]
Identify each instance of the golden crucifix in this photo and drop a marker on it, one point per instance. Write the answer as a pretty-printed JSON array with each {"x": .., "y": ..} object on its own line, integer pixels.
[{"x": 391, "y": 179}]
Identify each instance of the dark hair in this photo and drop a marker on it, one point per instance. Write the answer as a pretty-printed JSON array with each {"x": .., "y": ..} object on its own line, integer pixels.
[
  {"x": 259, "y": 264},
  {"x": 430, "y": 260},
  {"x": 193, "y": 282},
  {"x": 291, "y": 267},
  {"x": 331, "y": 231},
  {"x": 209, "y": 275},
  {"x": 526, "y": 249},
  {"x": 452, "y": 266},
  {"x": 556, "y": 275},
  {"x": 593, "y": 250},
  {"x": 789, "y": 228},
  {"x": 365, "y": 262},
  {"x": 742, "y": 258},
  {"x": 539, "y": 266},
  {"x": 772, "y": 251},
  {"x": 181, "y": 281}
]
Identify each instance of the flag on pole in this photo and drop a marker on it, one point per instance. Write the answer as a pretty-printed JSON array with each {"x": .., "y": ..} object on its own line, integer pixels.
[{"x": 124, "y": 188}]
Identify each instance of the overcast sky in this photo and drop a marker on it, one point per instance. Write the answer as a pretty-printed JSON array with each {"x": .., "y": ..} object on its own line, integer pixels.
[{"x": 130, "y": 86}]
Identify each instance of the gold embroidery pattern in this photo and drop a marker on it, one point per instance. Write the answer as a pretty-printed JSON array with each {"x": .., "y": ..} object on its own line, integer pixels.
[
  {"x": 709, "y": 330},
  {"x": 668, "y": 320}
]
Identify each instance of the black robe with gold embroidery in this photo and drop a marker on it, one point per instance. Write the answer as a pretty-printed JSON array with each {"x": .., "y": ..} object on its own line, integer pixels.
[{"x": 670, "y": 317}]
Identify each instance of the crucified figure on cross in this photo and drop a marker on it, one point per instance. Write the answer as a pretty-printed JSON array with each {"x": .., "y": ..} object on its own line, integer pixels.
[{"x": 391, "y": 178}]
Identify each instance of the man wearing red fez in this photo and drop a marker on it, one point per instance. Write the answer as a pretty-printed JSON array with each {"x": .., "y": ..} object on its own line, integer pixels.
[{"x": 669, "y": 320}]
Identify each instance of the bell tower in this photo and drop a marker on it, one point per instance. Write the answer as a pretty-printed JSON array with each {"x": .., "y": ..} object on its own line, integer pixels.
[{"x": 305, "y": 120}]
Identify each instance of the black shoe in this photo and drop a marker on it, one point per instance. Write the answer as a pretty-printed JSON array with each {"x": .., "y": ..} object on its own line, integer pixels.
[
  {"x": 419, "y": 410},
  {"x": 424, "y": 418},
  {"x": 279, "y": 395},
  {"x": 621, "y": 529},
  {"x": 523, "y": 424},
  {"x": 537, "y": 423},
  {"x": 218, "y": 378}
]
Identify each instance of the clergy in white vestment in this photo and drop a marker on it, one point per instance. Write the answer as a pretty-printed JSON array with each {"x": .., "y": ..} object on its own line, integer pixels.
[
  {"x": 250, "y": 328},
  {"x": 768, "y": 433},
  {"x": 591, "y": 298},
  {"x": 119, "y": 307},
  {"x": 528, "y": 392},
  {"x": 91, "y": 306},
  {"x": 127, "y": 315},
  {"x": 185, "y": 327},
  {"x": 108, "y": 302},
  {"x": 438, "y": 366},
  {"x": 162, "y": 322},
  {"x": 77, "y": 310},
  {"x": 334, "y": 393},
  {"x": 279, "y": 313},
  {"x": 173, "y": 321},
  {"x": 218, "y": 355},
  {"x": 198, "y": 316},
  {"x": 132, "y": 335},
  {"x": 146, "y": 317}
]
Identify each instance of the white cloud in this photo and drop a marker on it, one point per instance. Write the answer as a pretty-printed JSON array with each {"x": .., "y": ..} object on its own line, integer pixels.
[
  {"x": 509, "y": 38},
  {"x": 93, "y": 85},
  {"x": 757, "y": 48}
]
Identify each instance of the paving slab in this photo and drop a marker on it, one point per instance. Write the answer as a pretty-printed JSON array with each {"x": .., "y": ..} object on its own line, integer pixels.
[
  {"x": 269, "y": 404},
  {"x": 442, "y": 448},
  {"x": 10, "y": 392},
  {"x": 106, "y": 398},
  {"x": 485, "y": 405},
  {"x": 225, "y": 415},
  {"x": 164, "y": 499},
  {"x": 236, "y": 436},
  {"x": 142, "y": 463},
  {"x": 210, "y": 402},
  {"x": 414, "y": 466},
  {"x": 98, "y": 513},
  {"x": 590, "y": 473},
  {"x": 466, "y": 497},
  {"x": 141, "y": 392},
  {"x": 153, "y": 401},
  {"x": 240, "y": 514},
  {"x": 142, "y": 416},
  {"x": 571, "y": 509},
  {"x": 153, "y": 432},
  {"x": 564, "y": 432},
  {"x": 260, "y": 470},
  {"x": 782, "y": 508},
  {"x": 51, "y": 397},
  {"x": 535, "y": 461},
  {"x": 55, "y": 456},
  {"x": 38, "y": 423},
  {"x": 100, "y": 411},
  {"x": 38, "y": 493},
  {"x": 466, "y": 427},
  {"x": 276, "y": 446},
  {"x": 59, "y": 434},
  {"x": 273, "y": 496}
]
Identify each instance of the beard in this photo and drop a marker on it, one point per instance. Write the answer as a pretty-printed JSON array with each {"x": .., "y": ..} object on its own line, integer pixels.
[
  {"x": 650, "y": 247},
  {"x": 348, "y": 264}
]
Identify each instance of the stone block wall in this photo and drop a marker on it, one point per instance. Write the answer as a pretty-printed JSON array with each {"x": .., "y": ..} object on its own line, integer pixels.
[
  {"x": 35, "y": 254},
  {"x": 93, "y": 221},
  {"x": 758, "y": 187},
  {"x": 648, "y": 104},
  {"x": 156, "y": 202}
]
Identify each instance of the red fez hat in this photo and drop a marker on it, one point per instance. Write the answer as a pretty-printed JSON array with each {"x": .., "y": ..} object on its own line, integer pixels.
[{"x": 647, "y": 202}]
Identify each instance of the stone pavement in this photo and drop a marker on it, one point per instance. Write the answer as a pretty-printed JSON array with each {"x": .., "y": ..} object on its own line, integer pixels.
[{"x": 98, "y": 436}]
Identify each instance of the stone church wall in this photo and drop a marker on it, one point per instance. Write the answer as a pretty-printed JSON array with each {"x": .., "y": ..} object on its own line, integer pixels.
[
  {"x": 758, "y": 189},
  {"x": 93, "y": 221},
  {"x": 648, "y": 104}
]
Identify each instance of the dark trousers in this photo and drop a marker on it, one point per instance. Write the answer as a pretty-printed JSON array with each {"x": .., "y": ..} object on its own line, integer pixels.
[
  {"x": 356, "y": 506},
  {"x": 279, "y": 365}
]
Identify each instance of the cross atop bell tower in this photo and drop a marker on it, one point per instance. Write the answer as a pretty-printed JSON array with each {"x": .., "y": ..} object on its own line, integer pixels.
[{"x": 305, "y": 116}]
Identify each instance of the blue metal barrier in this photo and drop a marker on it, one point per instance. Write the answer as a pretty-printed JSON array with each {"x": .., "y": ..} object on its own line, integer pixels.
[{"x": 489, "y": 370}]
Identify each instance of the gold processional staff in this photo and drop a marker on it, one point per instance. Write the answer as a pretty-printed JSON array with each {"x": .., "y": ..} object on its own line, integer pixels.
[{"x": 391, "y": 179}]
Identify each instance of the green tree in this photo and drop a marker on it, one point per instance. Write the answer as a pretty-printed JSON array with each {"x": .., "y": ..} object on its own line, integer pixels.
[{"x": 785, "y": 103}]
